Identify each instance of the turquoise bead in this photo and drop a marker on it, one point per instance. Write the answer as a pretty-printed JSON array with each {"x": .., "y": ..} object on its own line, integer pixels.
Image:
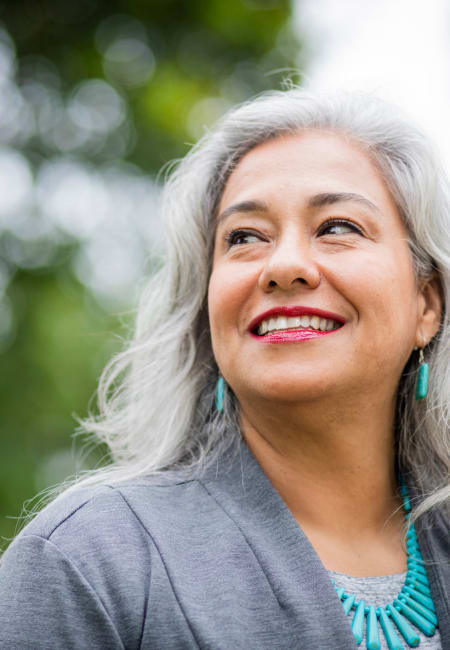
[
  {"x": 373, "y": 635},
  {"x": 413, "y": 543},
  {"x": 420, "y": 598},
  {"x": 406, "y": 630},
  {"x": 418, "y": 586},
  {"x": 422, "y": 382},
  {"x": 412, "y": 546},
  {"x": 418, "y": 569},
  {"x": 358, "y": 623},
  {"x": 420, "y": 609},
  {"x": 389, "y": 632},
  {"x": 418, "y": 577},
  {"x": 406, "y": 502},
  {"x": 419, "y": 621},
  {"x": 348, "y": 603}
]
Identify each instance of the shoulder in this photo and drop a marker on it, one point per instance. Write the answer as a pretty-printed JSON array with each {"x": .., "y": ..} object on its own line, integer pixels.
[
  {"x": 117, "y": 529},
  {"x": 127, "y": 511},
  {"x": 92, "y": 552}
]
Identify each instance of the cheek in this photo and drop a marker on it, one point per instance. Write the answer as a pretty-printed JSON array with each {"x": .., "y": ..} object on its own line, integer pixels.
[
  {"x": 384, "y": 274},
  {"x": 228, "y": 294},
  {"x": 385, "y": 296},
  {"x": 394, "y": 286},
  {"x": 220, "y": 307}
]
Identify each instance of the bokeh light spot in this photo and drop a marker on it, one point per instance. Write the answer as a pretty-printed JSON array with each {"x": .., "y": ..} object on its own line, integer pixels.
[
  {"x": 96, "y": 106},
  {"x": 16, "y": 185}
]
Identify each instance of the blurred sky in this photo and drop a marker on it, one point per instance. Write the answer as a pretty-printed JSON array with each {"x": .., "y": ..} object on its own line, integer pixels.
[{"x": 399, "y": 49}]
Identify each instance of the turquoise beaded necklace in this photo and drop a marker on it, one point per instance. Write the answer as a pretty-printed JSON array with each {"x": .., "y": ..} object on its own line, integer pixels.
[{"x": 413, "y": 607}]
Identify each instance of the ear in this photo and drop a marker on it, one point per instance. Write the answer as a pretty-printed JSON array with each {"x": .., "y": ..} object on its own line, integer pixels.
[{"x": 430, "y": 306}]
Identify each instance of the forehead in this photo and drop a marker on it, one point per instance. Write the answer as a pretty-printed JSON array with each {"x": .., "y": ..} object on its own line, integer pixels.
[{"x": 307, "y": 162}]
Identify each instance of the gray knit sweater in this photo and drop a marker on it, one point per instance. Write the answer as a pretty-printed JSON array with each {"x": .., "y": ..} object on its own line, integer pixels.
[{"x": 217, "y": 563}]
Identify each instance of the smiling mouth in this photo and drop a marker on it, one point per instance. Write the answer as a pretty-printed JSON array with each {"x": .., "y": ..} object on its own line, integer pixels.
[{"x": 296, "y": 323}]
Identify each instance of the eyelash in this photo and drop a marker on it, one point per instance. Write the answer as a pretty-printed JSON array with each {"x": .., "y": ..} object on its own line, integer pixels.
[
  {"x": 346, "y": 222},
  {"x": 232, "y": 235}
]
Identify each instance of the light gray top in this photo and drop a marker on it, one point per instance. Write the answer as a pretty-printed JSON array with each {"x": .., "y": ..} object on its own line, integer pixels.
[
  {"x": 217, "y": 563},
  {"x": 379, "y": 591}
]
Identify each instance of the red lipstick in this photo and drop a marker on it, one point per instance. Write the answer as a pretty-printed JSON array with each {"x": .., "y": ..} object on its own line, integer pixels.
[{"x": 293, "y": 335}]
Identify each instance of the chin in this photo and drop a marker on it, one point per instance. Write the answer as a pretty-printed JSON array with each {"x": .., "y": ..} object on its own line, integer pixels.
[{"x": 290, "y": 390}]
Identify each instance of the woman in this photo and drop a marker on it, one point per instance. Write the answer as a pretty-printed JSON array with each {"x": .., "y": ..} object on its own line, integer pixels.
[{"x": 270, "y": 424}]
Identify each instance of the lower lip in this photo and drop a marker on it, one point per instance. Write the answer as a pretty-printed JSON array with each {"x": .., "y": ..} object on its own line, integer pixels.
[{"x": 293, "y": 336}]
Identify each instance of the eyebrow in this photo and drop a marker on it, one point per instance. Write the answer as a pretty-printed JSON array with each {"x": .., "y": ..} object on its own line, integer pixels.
[
  {"x": 243, "y": 206},
  {"x": 329, "y": 198},
  {"x": 316, "y": 201}
]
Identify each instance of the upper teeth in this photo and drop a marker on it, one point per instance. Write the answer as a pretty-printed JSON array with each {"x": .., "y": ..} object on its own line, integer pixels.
[{"x": 296, "y": 322}]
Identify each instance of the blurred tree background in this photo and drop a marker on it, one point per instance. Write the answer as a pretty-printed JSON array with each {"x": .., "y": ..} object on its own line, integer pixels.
[{"x": 95, "y": 97}]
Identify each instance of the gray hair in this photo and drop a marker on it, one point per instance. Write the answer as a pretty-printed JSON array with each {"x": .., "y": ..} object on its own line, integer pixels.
[{"x": 157, "y": 398}]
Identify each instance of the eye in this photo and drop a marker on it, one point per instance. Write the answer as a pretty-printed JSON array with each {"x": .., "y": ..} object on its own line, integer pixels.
[
  {"x": 339, "y": 227},
  {"x": 239, "y": 237}
]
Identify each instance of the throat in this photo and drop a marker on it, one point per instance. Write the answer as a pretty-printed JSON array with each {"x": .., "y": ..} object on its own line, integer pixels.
[{"x": 378, "y": 555}]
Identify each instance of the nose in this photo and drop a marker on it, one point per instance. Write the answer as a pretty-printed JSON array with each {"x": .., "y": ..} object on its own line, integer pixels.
[{"x": 291, "y": 264}]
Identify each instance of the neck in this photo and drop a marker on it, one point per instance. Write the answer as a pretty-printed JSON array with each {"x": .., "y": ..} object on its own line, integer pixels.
[{"x": 335, "y": 470}]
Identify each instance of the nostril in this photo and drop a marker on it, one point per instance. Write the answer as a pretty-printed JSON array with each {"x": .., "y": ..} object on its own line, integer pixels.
[{"x": 272, "y": 283}]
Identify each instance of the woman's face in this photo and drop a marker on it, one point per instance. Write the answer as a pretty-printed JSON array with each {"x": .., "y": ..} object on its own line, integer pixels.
[{"x": 312, "y": 290}]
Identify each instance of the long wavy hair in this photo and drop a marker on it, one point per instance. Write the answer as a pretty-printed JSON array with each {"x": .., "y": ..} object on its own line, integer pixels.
[{"x": 157, "y": 397}]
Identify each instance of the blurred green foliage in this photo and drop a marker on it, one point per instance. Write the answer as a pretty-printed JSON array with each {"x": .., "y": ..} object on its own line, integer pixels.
[{"x": 106, "y": 93}]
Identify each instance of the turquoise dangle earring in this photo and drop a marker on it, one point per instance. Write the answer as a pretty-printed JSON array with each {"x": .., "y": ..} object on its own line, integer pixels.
[
  {"x": 220, "y": 394},
  {"x": 422, "y": 379}
]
